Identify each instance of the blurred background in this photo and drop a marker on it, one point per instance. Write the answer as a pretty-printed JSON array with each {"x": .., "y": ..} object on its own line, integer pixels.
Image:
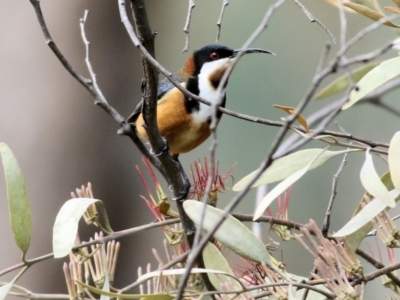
[{"x": 63, "y": 141}]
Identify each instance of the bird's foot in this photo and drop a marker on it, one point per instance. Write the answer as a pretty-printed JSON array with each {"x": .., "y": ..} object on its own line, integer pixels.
[
  {"x": 163, "y": 150},
  {"x": 184, "y": 194}
]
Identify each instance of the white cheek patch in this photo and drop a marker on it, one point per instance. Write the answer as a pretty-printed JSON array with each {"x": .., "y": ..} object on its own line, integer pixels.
[{"x": 207, "y": 91}]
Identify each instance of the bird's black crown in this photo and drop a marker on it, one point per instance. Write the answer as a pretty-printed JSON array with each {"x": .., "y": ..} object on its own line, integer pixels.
[{"x": 210, "y": 53}]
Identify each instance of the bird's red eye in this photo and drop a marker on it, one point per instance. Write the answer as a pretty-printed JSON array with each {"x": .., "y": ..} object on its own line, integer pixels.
[{"x": 214, "y": 56}]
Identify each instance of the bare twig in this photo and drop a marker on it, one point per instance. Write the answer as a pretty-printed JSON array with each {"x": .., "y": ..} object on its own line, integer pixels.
[
  {"x": 378, "y": 265},
  {"x": 174, "y": 173},
  {"x": 299, "y": 285},
  {"x": 343, "y": 23},
  {"x": 225, "y": 3},
  {"x": 273, "y": 154},
  {"x": 93, "y": 89},
  {"x": 101, "y": 240},
  {"x": 172, "y": 263},
  {"x": 371, "y": 276},
  {"x": 170, "y": 165},
  {"x": 315, "y": 20},
  {"x": 326, "y": 224},
  {"x": 249, "y": 118},
  {"x": 196, "y": 251},
  {"x": 187, "y": 25}
]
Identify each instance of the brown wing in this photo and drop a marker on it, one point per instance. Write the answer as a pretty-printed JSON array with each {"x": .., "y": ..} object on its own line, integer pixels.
[{"x": 176, "y": 124}]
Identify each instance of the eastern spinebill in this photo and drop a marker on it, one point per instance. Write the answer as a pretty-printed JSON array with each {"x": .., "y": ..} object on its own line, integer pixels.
[{"x": 184, "y": 122}]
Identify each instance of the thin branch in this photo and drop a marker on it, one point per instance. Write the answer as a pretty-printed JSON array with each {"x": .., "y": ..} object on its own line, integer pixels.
[
  {"x": 371, "y": 276},
  {"x": 225, "y": 3},
  {"x": 373, "y": 232},
  {"x": 343, "y": 24},
  {"x": 377, "y": 264},
  {"x": 174, "y": 173},
  {"x": 273, "y": 154},
  {"x": 299, "y": 285},
  {"x": 101, "y": 240},
  {"x": 315, "y": 20},
  {"x": 170, "y": 165},
  {"x": 176, "y": 260},
  {"x": 326, "y": 224},
  {"x": 142, "y": 25},
  {"x": 196, "y": 251},
  {"x": 187, "y": 25},
  {"x": 268, "y": 219},
  {"x": 126, "y": 128},
  {"x": 249, "y": 118},
  {"x": 35, "y": 296}
]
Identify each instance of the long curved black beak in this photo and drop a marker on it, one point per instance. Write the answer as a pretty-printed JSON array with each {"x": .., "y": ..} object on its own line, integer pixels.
[{"x": 251, "y": 50}]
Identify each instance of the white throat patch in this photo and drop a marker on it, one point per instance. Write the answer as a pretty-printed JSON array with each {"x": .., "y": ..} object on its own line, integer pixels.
[{"x": 207, "y": 91}]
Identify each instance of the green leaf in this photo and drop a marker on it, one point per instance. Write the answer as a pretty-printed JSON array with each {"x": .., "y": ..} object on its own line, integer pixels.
[
  {"x": 283, "y": 186},
  {"x": 214, "y": 260},
  {"x": 287, "y": 165},
  {"x": 342, "y": 83},
  {"x": 66, "y": 225},
  {"x": 369, "y": 13},
  {"x": 354, "y": 240},
  {"x": 373, "y": 184},
  {"x": 377, "y": 189},
  {"x": 370, "y": 211},
  {"x": 18, "y": 202},
  {"x": 5, "y": 289},
  {"x": 394, "y": 159},
  {"x": 239, "y": 241},
  {"x": 381, "y": 74}
]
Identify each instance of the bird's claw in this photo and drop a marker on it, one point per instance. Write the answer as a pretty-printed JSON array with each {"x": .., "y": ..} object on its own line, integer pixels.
[
  {"x": 162, "y": 151},
  {"x": 183, "y": 196}
]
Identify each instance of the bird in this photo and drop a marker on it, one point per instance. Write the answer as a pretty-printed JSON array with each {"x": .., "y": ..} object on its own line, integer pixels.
[{"x": 185, "y": 123}]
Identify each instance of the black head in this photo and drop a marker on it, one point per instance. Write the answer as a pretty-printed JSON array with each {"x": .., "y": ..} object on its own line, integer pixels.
[
  {"x": 215, "y": 52},
  {"x": 210, "y": 53}
]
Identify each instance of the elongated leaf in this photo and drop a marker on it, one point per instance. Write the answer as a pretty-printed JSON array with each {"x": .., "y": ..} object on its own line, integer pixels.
[
  {"x": 373, "y": 184},
  {"x": 287, "y": 165},
  {"x": 354, "y": 240},
  {"x": 214, "y": 260},
  {"x": 291, "y": 110},
  {"x": 386, "y": 71},
  {"x": 393, "y": 9},
  {"x": 283, "y": 186},
  {"x": 5, "y": 289},
  {"x": 18, "y": 202},
  {"x": 66, "y": 225},
  {"x": 239, "y": 241},
  {"x": 369, "y": 13},
  {"x": 336, "y": 4},
  {"x": 394, "y": 159},
  {"x": 342, "y": 83},
  {"x": 370, "y": 211}
]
